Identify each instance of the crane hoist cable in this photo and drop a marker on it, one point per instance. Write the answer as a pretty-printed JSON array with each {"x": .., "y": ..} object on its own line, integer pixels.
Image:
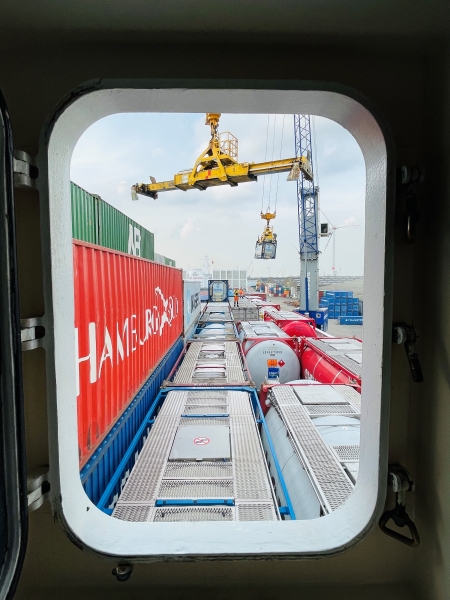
[
  {"x": 281, "y": 150},
  {"x": 273, "y": 152},
  {"x": 265, "y": 159}
]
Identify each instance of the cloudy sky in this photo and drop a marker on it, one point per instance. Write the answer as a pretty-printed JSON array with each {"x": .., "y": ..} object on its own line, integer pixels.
[{"x": 224, "y": 222}]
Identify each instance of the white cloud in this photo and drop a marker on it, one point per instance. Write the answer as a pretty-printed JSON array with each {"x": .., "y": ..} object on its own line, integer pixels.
[
  {"x": 187, "y": 228},
  {"x": 348, "y": 222}
]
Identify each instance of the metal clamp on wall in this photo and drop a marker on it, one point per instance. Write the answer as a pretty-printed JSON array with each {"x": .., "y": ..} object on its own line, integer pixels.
[
  {"x": 401, "y": 482},
  {"x": 38, "y": 488},
  {"x": 407, "y": 335},
  {"x": 32, "y": 333},
  {"x": 25, "y": 170}
]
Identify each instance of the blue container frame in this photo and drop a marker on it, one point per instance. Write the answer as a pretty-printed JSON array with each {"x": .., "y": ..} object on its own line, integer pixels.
[
  {"x": 101, "y": 467},
  {"x": 114, "y": 487}
]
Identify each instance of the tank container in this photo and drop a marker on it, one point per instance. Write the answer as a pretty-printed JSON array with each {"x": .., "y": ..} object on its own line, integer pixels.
[{"x": 272, "y": 354}]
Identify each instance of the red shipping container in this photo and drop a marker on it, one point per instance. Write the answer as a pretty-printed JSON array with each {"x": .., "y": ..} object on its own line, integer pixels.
[{"x": 128, "y": 313}]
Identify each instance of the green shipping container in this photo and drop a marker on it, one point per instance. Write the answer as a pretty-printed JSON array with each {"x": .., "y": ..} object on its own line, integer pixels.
[
  {"x": 97, "y": 222},
  {"x": 169, "y": 262},
  {"x": 84, "y": 215}
]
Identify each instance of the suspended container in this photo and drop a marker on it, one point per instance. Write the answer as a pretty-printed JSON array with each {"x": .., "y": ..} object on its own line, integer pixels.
[
  {"x": 128, "y": 314},
  {"x": 266, "y": 245}
]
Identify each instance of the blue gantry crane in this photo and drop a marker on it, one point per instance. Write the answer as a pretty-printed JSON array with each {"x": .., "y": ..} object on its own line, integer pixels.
[{"x": 308, "y": 213}]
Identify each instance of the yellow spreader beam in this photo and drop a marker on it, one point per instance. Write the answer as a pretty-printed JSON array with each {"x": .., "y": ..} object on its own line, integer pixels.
[{"x": 218, "y": 165}]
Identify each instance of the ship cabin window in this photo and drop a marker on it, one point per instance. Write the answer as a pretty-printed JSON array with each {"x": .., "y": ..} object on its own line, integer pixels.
[{"x": 218, "y": 442}]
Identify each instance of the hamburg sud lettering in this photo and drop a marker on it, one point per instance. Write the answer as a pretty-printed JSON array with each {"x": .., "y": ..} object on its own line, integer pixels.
[
  {"x": 126, "y": 338},
  {"x": 128, "y": 313}
]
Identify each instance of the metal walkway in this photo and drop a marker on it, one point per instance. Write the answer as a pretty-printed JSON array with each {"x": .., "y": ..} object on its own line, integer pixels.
[
  {"x": 211, "y": 363},
  {"x": 325, "y": 467},
  {"x": 203, "y": 461}
]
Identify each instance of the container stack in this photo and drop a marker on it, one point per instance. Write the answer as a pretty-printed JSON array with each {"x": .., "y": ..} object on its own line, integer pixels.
[
  {"x": 340, "y": 304},
  {"x": 247, "y": 311}
]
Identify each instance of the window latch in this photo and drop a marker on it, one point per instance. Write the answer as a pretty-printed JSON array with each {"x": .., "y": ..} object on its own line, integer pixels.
[
  {"x": 32, "y": 333},
  {"x": 401, "y": 482},
  {"x": 407, "y": 179},
  {"x": 408, "y": 336},
  {"x": 25, "y": 170},
  {"x": 38, "y": 488}
]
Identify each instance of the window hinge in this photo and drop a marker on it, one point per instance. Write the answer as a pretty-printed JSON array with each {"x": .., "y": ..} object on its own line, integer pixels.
[
  {"x": 32, "y": 333},
  {"x": 25, "y": 170},
  {"x": 38, "y": 487}
]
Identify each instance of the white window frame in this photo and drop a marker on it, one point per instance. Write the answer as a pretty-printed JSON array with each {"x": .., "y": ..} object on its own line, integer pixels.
[{"x": 79, "y": 516}]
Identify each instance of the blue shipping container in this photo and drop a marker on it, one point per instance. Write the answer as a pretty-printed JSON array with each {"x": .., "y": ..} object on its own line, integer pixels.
[{"x": 350, "y": 320}]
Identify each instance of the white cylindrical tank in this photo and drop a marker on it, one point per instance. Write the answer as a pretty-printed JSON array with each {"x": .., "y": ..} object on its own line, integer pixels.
[
  {"x": 212, "y": 329},
  {"x": 303, "y": 497},
  {"x": 338, "y": 430},
  {"x": 262, "y": 356}
]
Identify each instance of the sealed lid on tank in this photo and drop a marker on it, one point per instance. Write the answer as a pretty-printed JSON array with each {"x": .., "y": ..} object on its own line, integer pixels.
[
  {"x": 213, "y": 348},
  {"x": 200, "y": 442},
  {"x": 319, "y": 394}
]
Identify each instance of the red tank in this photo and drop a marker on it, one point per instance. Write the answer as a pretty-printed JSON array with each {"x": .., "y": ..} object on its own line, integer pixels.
[
  {"x": 284, "y": 317},
  {"x": 319, "y": 366},
  {"x": 299, "y": 329}
]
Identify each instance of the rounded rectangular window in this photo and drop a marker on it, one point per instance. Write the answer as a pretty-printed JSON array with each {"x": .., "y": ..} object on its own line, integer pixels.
[{"x": 253, "y": 440}]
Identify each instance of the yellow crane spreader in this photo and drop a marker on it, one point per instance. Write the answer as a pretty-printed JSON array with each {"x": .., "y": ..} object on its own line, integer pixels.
[{"x": 218, "y": 165}]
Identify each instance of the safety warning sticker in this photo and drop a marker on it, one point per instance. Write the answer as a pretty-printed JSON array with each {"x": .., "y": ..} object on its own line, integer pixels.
[{"x": 201, "y": 441}]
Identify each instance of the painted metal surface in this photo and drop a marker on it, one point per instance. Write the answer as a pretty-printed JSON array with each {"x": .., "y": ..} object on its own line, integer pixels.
[
  {"x": 97, "y": 222},
  {"x": 127, "y": 316},
  {"x": 84, "y": 215},
  {"x": 191, "y": 306},
  {"x": 119, "y": 232},
  {"x": 98, "y": 472}
]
